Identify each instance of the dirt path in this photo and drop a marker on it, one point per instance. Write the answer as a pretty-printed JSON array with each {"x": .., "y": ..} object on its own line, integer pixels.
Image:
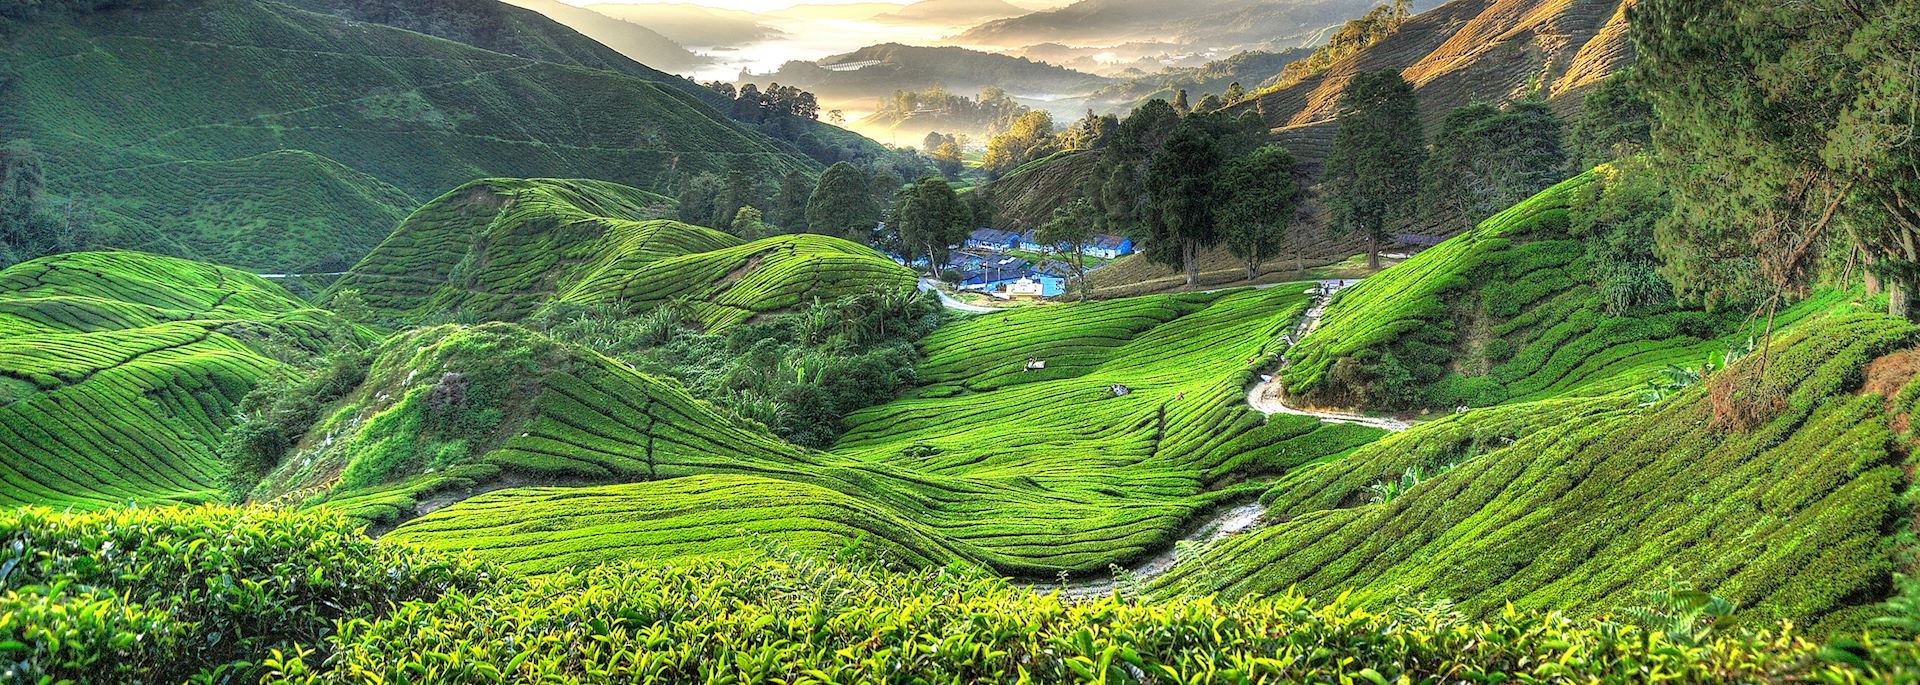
[
  {"x": 949, "y": 300},
  {"x": 1223, "y": 523},
  {"x": 1268, "y": 397}
]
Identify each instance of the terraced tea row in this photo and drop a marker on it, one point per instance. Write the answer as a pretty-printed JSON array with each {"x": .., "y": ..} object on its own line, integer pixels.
[
  {"x": 1029, "y": 479},
  {"x": 121, "y": 370},
  {"x": 1777, "y": 494},
  {"x": 502, "y": 248},
  {"x": 1505, "y": 312}
]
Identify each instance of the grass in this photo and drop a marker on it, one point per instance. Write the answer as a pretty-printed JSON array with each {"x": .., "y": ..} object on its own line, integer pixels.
[
  {"x": 147, "y": 102},
  {"x": 1578, "y": 503},
  {"x": 124, "y": 368},
  {"x": 501, "y": 248}
]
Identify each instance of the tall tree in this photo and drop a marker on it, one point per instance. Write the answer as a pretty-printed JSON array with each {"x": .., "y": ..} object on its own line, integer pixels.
[
  {"x": 1258, "y": 197},
  {"x": 930, "y": 219},
  {"x": 1072, "y": 226},
  {"x": 1489, "y": 158},
  {"x": 747, "y": 225},
  {"x": 29, "y": 228},
  {"x": 1615, "y": 121},
  {"x": 1029, "y": 138},
  {"x": 842, "y": 203},
  {"x": 789, "y": 208},
  {"x": 701, "y": 200},
  {"x": 1181, "y": 186},
  {"x": 1783, "y": 127},
  {"x": 1373, "y": 170}
]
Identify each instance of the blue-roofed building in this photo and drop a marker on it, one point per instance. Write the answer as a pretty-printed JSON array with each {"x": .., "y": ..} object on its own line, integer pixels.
[
  {"x": 1110, "y": 246},
  {"x": 993, "y": 239}
]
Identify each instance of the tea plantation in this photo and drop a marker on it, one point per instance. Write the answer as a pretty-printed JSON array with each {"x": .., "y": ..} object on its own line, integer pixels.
[
  {"x": 501, "y": 248},
  {"x": 213, "y": 593},
  {"x": 1505, "y": 312},
  {"x": 122, "y": 369}
]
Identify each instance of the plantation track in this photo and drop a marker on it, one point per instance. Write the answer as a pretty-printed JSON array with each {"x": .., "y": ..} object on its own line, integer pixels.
[{"x": 1269, "y": 395}]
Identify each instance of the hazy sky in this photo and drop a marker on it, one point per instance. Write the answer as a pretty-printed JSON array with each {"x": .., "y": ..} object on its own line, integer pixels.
[{"x": 748, "y": 5}]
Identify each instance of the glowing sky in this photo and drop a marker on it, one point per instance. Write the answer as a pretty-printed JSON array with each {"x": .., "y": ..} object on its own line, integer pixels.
[{"x": 745, "y": 5}]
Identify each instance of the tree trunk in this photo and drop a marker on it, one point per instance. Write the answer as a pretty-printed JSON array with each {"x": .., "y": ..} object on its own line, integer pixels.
[
  {"x": 1373, "y": 251},
  {"x": 1872, "y": 279},
  {"x": 1899, "y": 298},
  {"x": 1189, "y": 256},
  {"x": 1253, "y": 270}
]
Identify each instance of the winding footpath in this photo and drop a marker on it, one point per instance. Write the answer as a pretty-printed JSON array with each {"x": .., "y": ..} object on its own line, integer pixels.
[
  {"x": 950, "y": 302},
  {"x": 1267, "y": 398}
]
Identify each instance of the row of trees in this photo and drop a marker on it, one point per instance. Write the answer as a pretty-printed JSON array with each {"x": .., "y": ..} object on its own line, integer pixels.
[
  {"x": 845, "y": 201},
  {"x": 752, "y": 104}
]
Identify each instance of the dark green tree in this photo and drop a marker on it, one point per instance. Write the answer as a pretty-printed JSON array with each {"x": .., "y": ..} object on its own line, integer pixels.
[
  {"x": 1180, "y": 186},
  {"x": 1486, "y": 159},
  {"x": 1373, "y": 170},
  {"x": 29, "y": 226},
  {"x": 789, "y": 207},
  {"x": 1257, "y": 200},
  {"x": 1783, "y": 128},
  {"x": 1615, "y": 121},
  {"x": 842, "y": 203},
  {"x": 929, "y": 218},
  {"x": 700, "y": 200},
  {"x": 1072, "y": 226}
]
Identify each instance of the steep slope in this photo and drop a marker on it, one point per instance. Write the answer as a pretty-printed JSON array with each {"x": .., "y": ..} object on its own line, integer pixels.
[
  {"x": 500, "y": 248},
  {"x": 1507, "y": 311},
  {"x": 1461, "y": 52},
  {"x": 117, "y": 99},
  {"x": 1777, "y": 494},
  {"x": 120, "y": 370},
  {"x": 638, "y": 42}
]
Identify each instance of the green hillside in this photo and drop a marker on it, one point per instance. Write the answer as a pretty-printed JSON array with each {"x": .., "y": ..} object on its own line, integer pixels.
[
  {"x": 999, "y": 477},
  {"x": 502, "y": 248},
  {"x": 1779, "y": 496},
  {"x": 120, "y": 100},
  {"x": 1505, "y": 312},
  {"x": 122, "y": 369}
]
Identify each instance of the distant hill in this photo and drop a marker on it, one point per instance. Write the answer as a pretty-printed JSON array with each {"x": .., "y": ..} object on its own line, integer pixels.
[
  {"x": 128, "y": 104},
  {"x": 641, "y": 43},
  {"x": 1461, "y": 52},
  {"x": 953, "y": 12},
  {"x": 878, "y": 70},
  {"x": 498, "y": 249},
  {"x": 689, "y": 24},
  {"x": 1199, "y": 23},
  {"x": 1248, "y": 69}
]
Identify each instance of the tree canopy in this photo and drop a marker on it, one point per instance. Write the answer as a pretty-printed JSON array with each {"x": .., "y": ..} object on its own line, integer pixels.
[
  {"x": 1258, "y": 198},
  {"x": 842, "y": 203},
  {"x": 1373, "y": 170}
]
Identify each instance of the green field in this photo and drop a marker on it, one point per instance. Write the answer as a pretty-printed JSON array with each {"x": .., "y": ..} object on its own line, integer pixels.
[
  {"x": 122, "y": 369},
  {"x": 499, "y": 249}
]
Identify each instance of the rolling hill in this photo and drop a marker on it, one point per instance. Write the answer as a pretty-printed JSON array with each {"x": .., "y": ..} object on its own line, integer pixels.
[
  {"x": 122, "y": 369},
  {"x": 128, "y": 101},
  {"x": 876, "y": 71},
  {"x": 498, "y": 249},
  {"x": 1200, "y": 25}
]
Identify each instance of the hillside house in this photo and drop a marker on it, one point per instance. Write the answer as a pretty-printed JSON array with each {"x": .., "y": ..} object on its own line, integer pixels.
[
  {"x": 993, "y": 239},
  {"x": 1109, "y": 246}
]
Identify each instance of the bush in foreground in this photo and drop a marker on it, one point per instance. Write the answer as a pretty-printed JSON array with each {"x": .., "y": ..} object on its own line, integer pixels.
[{"x": 204, "y": 594}]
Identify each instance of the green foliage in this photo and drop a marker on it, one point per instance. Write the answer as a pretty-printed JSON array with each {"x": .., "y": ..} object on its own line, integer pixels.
[
  {"x": 29, "y": 225},
  {"x": 1258, "y": 199},
  {"x": 1029, "y": 137},
  {"x": 929, "y": 219},
  {"x": 1488, "y": 158},
  {"x": 1073, "y": 225},
  {"x": 1684, "y": 615},
  {"x": 1616, "y": 215},
  {"x": 1615, "y": 122},
  {"x": 842, "y": 204},
  {"x": 1372, "y": 172},
  {"x": 277, "y": 413},
  {"x": 1783, "y": 128},
  {"x": 172, "y": 594},
  {"x": 1352, "y": 37}
]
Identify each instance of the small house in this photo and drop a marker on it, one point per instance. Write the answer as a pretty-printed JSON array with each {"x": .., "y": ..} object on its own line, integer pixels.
[
  {"x": 1110, "y": 246},
  {"x": 993, "y": 239},
  {"x": 1024, "y": 289}
]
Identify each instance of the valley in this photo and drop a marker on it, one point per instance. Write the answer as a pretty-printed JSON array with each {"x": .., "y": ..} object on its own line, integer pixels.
[{"x": 470, "y": 341}]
